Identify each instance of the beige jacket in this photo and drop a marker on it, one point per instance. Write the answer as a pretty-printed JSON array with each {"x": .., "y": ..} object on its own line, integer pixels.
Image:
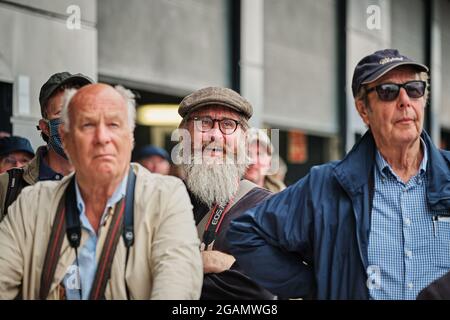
[
  {"x": 273, "y": 184},
  {"x": 164, "y": 262}
]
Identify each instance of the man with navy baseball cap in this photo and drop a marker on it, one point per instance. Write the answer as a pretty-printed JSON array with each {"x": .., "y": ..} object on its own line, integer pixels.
[
  {"x": 376, "y": 65},
  {"x": 371, "y": 226},
  {"x": 154, "y": 158},
  {"x": 14, "y": 152}
]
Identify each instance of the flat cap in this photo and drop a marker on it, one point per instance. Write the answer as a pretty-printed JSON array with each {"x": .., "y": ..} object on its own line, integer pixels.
[{"x": 215, "y": 96}]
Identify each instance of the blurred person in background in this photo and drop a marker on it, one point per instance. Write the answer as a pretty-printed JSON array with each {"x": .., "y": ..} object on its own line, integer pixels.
[
  {"x": 280, "y": 174},
  {"x": 153, "y": 158},
  {"x": 15, "y": 152},
  {"x": 260, "y": 152}
]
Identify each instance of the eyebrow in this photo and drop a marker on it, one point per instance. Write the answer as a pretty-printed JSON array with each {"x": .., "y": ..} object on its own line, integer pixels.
[
  {"x": 208, "y": 116},
  {"x": 109, "y": 116}
]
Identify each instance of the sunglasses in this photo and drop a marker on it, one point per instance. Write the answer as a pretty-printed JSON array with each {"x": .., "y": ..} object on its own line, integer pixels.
[{"x": 390, "y": 91}]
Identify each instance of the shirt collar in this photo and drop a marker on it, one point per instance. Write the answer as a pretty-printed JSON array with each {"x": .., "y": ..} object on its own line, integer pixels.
[
  {"x": 45, "y": 172},
  {"x": 383, "y": 165},
  {"x": 118, "y": 194}
]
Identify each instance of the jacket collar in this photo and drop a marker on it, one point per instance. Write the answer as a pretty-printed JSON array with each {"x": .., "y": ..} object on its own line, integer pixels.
[
  {"x": 353, "y": 171},
  {"x": 31, "y": 171},
  {"x": 438, "y": 173}
]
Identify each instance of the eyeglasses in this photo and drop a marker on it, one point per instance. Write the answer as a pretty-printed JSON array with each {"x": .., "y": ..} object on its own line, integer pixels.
[
  {"x": 390, "y": 91},
  {"x": 205, "y": 124}
]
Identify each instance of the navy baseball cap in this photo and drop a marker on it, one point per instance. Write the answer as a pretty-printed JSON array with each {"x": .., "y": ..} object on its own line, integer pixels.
[
  {"x": 150, "y": 150},
  {"x": 58, "y": 80},
  {"x": 374, "y": 66},
  {"x": 13, "y": 144}
]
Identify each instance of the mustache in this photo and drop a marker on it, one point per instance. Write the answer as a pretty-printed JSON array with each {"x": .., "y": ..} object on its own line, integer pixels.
[
  {"x": 197, "y": 152},
  {"x": 207, "y": 147},
  {"x": 214, "y": 147}
]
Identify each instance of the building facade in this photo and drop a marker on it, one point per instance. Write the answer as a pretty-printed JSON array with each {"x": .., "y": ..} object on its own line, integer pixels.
[{"x": 293, "y": 59}]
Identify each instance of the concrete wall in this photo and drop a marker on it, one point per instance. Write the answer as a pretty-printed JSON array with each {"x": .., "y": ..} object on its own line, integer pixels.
[
  {"x": 88, "y": 7},
  {"x": 172, "y": 46},
  {"x": 252, "y": 57},
  {"x": 361, "y": 41},
  {"x": 36, "y": 44},
  {"x": 300, "y": 65},
  {"x": 409, "y": 37},
  {"x": 176, "y": 46}
]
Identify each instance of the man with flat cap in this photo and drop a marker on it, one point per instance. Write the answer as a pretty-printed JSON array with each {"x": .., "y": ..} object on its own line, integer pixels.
[
  {"x": 15, "y": 152},
  {"x": 50, "y": 162},
  {"x": 215, "y": 122},
  {"x": 371, "y": 226}
]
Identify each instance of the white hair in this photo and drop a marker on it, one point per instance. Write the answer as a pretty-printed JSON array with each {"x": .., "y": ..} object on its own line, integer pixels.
[
  {"x": 130, "y": 101},
  {"x": 68, "y": 95},
  {"x": 126, "y": 94},
  {"x": 260, "y": 137}
]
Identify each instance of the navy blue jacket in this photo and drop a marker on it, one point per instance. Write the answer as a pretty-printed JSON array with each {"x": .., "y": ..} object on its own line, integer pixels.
[{"x": 311, "y": 239}]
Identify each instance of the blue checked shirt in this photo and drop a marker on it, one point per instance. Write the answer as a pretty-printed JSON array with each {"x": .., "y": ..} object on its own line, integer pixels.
[
  {"x": 409, "y": 244},
  {"x": 81, "y": 277}
]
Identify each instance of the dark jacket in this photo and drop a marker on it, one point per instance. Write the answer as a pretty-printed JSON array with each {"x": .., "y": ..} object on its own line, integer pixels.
[
  {"x": 437, "y": 290},
  {"x": 231, "y": 284},
  {"x": 323, "y": 221}
]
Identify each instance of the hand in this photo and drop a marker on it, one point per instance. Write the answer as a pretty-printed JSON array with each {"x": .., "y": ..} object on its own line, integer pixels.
[{"x": 215, "y": 261}]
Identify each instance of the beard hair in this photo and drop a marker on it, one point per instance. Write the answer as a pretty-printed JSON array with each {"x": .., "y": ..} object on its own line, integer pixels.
[{"x": 214, "y": 183}]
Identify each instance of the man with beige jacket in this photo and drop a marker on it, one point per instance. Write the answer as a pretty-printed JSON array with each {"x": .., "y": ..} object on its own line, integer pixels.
[{"x": 110, "y": 230}]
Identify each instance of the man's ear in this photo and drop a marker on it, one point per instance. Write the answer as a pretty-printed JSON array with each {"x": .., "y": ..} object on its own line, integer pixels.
[
  {"x": 44, "y": 127},
  {"x": 362, "y": 110}
]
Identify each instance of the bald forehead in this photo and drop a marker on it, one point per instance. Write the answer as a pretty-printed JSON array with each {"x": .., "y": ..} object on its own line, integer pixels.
[
  {"x": 216, "y": 111},
  {"x": 94, "y": 94}
]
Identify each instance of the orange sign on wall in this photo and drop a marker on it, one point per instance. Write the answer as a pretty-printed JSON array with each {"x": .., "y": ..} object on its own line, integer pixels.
[{"x": 297, "y": 147}]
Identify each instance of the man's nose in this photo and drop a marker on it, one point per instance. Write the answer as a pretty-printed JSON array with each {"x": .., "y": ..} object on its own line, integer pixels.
[
  {"x": 102, "y": 134},
  {"x": 215, "y": 134},
  {"x": 403, "y": 99}
]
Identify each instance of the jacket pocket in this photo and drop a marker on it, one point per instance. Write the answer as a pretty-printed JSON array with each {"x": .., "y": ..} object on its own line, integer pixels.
[{"x": 441, "y": 230}]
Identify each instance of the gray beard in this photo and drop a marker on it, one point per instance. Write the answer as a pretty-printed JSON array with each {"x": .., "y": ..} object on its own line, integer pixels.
[{"x": 214, "y": 183}]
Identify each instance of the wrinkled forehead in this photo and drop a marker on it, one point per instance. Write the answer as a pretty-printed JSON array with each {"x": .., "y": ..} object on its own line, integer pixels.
[
  {"x": 94, "y": 101},
  {"x": 399, "y": 75},
  {"x": 216, "y": 112}
]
